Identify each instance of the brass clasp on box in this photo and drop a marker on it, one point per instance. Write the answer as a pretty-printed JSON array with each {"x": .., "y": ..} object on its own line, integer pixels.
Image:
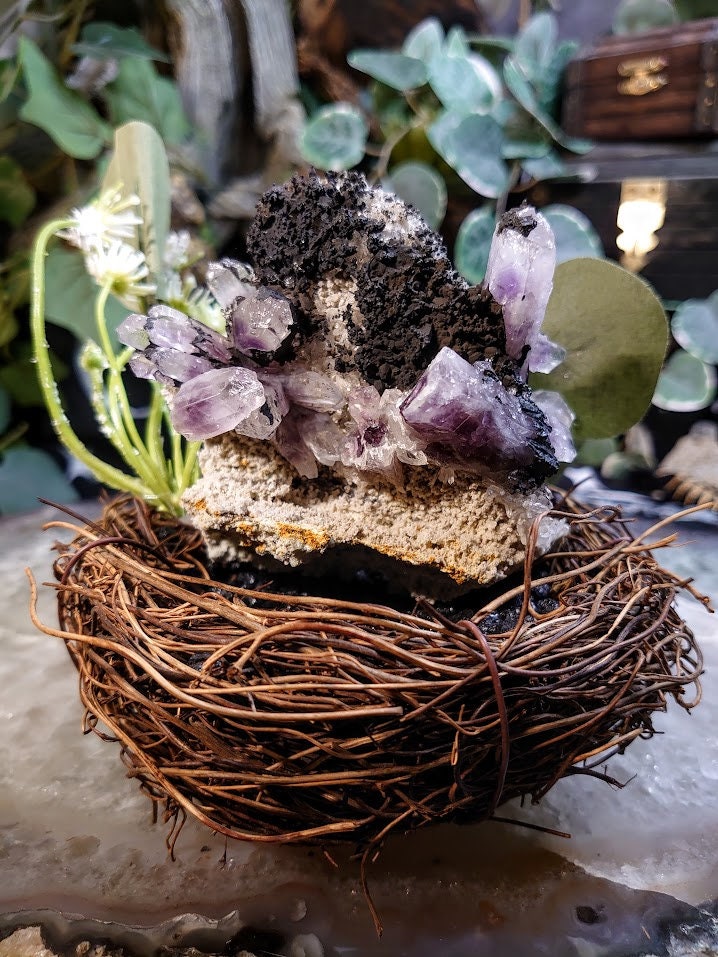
[{"x": 642, "y": 75}]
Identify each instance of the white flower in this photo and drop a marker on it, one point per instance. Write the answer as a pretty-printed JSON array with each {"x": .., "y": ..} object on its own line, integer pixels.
[
  {"x": 177, "y": 249},
  {"x": 183, "y": 293},
  {"x": 122, "y": 268},
  {"x": 110, "y": 217}
]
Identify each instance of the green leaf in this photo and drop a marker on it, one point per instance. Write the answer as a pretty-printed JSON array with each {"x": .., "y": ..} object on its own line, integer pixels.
[
  {"x": 550, "y": 166},
  {"x": 551, "y": 80},
  {"x": 335, "y": 137},
  {"x": 20, "y": 380},
  {"x": 457, "y": 43},
  {"x": 105, "y": 41},
  {"x": 396, "y": 70},
  {"x": 594, "y": 451},
  {"x": 465, "y": 84},
  {"x": 523, "y": 136},
  {"x": 686, "y": 384},
  {"x": 25, "y": 475},
  {"x": 473, "y": 242},
  {"x": 695, "y": 327},
  {"x": 422, "y": 187},
  {"x": 425, "y": 40},
  {"x": 517, "y": 82},
  {"x": 615, "y": 333},
  {"x": 71, "y": 122},
  {"x": 17, "y": 197},
  {"x": 536, "y": 44},
  {"x": 472, "y": 145},
  {"x": 637, "y": 16},
  {"x": 139, "y": 93},
  {"x": 70, "y": 295},
  {"x": 139, "y": 165},
  {"x": 574, "y": 233}
]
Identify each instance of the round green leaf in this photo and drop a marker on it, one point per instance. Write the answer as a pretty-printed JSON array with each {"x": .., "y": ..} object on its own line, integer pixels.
[
  {"x": 615, "y": 333},
  {"x": 516, "y": 79},
  {"x": 104, "y": 41},
  {"x": 573, "y": 232},
  {"x": 422, "y": 187},
  {"x": 396, "y": 70},
  {"x": 138, "y": 92},
  {"x": 524, "y": 138},
  {"x": 686, "y": 384},
  {"x": 72, "y": 123},
  {"x": 695, "y": 327},
  {"x": 473, "y": 242},
  {"x": 471, "y": 145},
  {"x": 465, "y": 84},
  {"x": 594, "y": 451},
  {"x": 457, "y": 43},
  {"x": 550, "y": 166},
  {"x": 536, "y": 44},
  {"x": 70, "y": 296},
  {"x": 26, "y": 474},
  {"x": 335, "y": 137},
  {"x": 637, "y": 16},
  {"x": 425, "y": 40}
]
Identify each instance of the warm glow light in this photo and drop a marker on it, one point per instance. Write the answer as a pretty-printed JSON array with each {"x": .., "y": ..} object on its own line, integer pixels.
[{"x": 641, "y": 214}]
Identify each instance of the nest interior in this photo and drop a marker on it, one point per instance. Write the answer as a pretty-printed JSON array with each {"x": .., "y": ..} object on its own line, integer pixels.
[{"x": 274, "y": 715}]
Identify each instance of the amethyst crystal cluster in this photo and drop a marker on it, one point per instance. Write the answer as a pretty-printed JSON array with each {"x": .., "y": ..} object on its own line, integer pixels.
[{"x": 354, "y": 344}]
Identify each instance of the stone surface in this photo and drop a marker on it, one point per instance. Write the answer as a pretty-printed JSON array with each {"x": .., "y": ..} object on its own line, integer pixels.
[
  {"x": 76, "y": 835},
  {"x": 445, "y": 536}
]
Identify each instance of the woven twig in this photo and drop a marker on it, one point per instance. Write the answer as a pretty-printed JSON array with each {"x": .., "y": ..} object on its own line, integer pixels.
[{"x": 305, "y": 719}]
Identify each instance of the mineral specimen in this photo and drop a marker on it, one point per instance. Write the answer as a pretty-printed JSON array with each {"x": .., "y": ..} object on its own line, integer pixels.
[
  {"x": 353, "y": 344},
  {"x": 365, "y": 403}
]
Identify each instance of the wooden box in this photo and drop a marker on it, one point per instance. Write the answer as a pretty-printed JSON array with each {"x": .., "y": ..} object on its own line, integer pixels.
[{"x": 656, "y": 85}]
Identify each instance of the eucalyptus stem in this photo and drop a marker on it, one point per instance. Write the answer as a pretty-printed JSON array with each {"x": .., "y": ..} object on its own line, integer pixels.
[{"x": 104, "y": 472}]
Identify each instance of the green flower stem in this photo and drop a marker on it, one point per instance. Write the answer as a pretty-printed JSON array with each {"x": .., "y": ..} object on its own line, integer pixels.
[
  {"x": 153, "y": 428},
  {"x": 177, "y": 458},
  {"x": 105, "y": 473},
  {"x": 190, "y": 473},
  {"x": 128, "y": 440},
  {"x": 101, "y": 326}
]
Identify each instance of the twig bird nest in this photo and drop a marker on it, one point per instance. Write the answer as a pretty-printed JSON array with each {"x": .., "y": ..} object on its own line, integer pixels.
[{"x": 283, "y": 717}]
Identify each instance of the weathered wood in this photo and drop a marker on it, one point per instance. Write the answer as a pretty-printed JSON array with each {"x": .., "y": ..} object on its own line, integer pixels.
[{"x": 209, "y": 67}]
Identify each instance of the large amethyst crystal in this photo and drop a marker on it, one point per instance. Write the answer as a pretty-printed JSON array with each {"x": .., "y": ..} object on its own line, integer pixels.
[
  {"x": 353, "y": 344},
  {"x": 468, "y": 419}
]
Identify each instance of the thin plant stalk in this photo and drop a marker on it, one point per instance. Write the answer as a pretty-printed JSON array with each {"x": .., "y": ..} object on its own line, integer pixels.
[
  {"x": 106, "y": 473},
  {"x": 156, "y": 478}
]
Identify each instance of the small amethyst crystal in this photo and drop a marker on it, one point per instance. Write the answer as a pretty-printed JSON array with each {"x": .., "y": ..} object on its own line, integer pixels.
[
  {"x": 261, "y": 320},
  {"x": 216, "y": 402},
  {"x": 520, "y": 278}
]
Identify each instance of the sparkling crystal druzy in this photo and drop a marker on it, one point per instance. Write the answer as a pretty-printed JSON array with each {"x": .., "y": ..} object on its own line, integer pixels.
[{"x": 353, "y": 343}]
